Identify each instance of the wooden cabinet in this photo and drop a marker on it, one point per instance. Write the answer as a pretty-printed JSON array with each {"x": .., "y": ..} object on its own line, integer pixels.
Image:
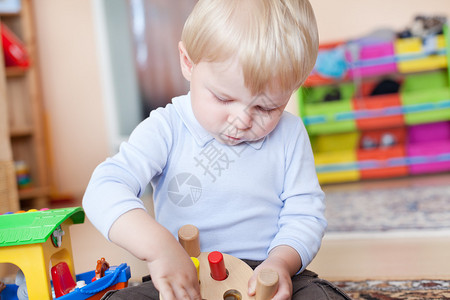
[
  {"x": 8, "y": 190},
  {"x": 22, "y": 135}
]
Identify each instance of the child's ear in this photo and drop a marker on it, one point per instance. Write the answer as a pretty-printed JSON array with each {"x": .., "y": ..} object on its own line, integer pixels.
[{"x": 185, "y": 62}]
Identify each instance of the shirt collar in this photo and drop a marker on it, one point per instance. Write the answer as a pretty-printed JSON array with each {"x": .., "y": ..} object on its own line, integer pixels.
[{"x": 202, "y": 137}]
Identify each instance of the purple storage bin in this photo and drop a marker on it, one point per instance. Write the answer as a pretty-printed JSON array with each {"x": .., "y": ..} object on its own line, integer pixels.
[
  {"x": 428, "y": 148},
  {"x": 370, "y": 58},
  {"x": 429, "y": 132}
]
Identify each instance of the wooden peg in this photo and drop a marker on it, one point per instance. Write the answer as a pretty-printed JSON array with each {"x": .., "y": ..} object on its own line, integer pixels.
[
  {"x": 197, "y": 265},
  {"x": 217, "y": 266},
  {"x": 188, "y": 236},
  {"x": 266, "y": 285}
]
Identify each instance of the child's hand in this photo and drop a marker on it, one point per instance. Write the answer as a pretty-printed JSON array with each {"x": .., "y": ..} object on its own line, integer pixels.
[
  {"x": 171, "y": 269},
  {"x": 284, "y": 291},
  {"x": 174, "y": 274},
  {"x": 286, "y": 262}
]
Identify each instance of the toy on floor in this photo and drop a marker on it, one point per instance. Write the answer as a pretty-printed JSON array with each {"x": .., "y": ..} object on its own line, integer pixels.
[
  {"x": 223, "y": 276},
  {"x": 63, "y": 282},
  {"x": 35, "y": 240},
  {"x": 2, "y": 286},
  {"x": 114, "y": 278},
  {"x": 65, "y": 288},
  {"x": 31, "y": 240},
  {"x": 100, "y": 269},
  {"x": 22, "y": 291}
]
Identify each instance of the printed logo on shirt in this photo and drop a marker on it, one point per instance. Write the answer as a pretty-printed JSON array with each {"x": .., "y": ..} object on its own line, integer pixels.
[{"x": 184, "y": 189}]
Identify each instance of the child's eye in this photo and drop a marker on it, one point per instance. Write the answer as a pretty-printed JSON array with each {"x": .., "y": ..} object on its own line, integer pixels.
[
  {"x": 221, "y": 100},
  {"x": 265, "y": 109}
]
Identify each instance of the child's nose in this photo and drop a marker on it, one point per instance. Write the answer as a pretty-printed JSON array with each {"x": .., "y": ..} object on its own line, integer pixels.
[{"x": 242, "y": 119}]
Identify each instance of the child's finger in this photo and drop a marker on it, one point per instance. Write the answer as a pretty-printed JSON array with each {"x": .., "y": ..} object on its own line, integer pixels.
[
  {"x": 165, "y": 291},
  {"x": 194, "y": 294},
  {"x": 181, "y": 293},
  {"x": 284, "y": 291},
  {"x": 252, "y": 285}
]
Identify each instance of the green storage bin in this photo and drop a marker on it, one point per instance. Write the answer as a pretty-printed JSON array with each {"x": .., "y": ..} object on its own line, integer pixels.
[
  {"x": 426, "y": 98},
  {"x": 325, "y": 117}
]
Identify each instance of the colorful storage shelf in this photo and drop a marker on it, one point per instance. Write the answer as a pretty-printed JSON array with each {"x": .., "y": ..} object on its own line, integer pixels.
[
  {"x": 335, "y": 157},
  {"x": 417, "y": 55},
  {"x": 426, "y": 98},
  {"x": 382, "y": 159},
  {"x": 344, "y": 110},
  {"x": 374, "y": 112},
  {"x": 383, "y": 153},
  {"x": 370, "y": 58},
  {"x": 429, "y": 148},
  {"x": 325, "y": 51},
  {"x": 329, "y": 117}
]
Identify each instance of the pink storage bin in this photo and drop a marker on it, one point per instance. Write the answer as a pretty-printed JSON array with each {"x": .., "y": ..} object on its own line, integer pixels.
[
  {"x": 428, "y": 149},
  {"x": 372, "y": 58},
  {"x": 429, "y": 132}
]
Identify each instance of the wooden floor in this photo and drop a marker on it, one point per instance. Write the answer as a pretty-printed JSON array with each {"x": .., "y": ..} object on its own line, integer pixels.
[
  {"x": 407, "y": 255},
  {"x": 395, "y": 256}
]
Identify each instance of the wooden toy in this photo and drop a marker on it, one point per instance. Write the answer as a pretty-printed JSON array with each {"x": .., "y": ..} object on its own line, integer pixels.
[
  {"x": 223, "y": 276},
  {"x": 267, "y": 284}
]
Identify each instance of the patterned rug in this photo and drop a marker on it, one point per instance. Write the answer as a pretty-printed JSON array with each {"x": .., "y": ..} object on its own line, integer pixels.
[
  {"x": 375, "y": 210},
  {"x": 389, "y": 209},
  {"x": 396, "y": 290}
]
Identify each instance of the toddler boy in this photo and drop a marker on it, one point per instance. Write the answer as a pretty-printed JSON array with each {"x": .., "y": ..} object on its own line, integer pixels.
[{"x": 225, "y": 157}]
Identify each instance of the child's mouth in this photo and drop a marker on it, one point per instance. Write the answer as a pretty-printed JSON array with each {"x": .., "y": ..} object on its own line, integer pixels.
[{"x": 232, "y": 138}]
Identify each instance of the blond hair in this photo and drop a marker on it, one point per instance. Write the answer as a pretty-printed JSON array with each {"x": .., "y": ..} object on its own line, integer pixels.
[{"x": 276, "y": 41}]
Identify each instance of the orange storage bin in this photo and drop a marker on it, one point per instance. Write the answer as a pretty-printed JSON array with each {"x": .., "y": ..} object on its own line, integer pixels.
[
  {"x": 380, "y": 111},
  {"x": 385, "y": 156}
]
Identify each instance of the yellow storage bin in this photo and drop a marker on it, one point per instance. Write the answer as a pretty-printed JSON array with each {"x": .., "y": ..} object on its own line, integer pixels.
[
  {"x": 336, "y": 142},
  {"x": 412, "y": 56},
  {"x": 337, "y": 166}
]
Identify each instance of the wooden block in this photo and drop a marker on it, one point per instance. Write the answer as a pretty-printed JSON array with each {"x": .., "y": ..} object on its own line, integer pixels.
[
  {"x": 188, "y": 236},
  {"x": 222, "y": 276},
  {"x": 267, "y": 284}
]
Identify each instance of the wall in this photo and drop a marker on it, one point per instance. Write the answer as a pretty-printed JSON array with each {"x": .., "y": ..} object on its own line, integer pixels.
[
  {"x": 346, "y": 19},
  {"x": 72, "y": 90},
  {"x": 72, "y": 84}
]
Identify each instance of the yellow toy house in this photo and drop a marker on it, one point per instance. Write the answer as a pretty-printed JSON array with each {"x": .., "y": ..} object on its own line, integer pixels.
[{"x": 37, "y": 240}]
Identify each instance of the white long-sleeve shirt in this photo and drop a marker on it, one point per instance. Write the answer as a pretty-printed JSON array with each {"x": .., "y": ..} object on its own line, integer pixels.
[{"x": 245, "y": 199}]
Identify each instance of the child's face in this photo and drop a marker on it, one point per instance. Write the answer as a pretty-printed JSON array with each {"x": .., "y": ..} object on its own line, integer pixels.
[{"x": 227, "y": 109}]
